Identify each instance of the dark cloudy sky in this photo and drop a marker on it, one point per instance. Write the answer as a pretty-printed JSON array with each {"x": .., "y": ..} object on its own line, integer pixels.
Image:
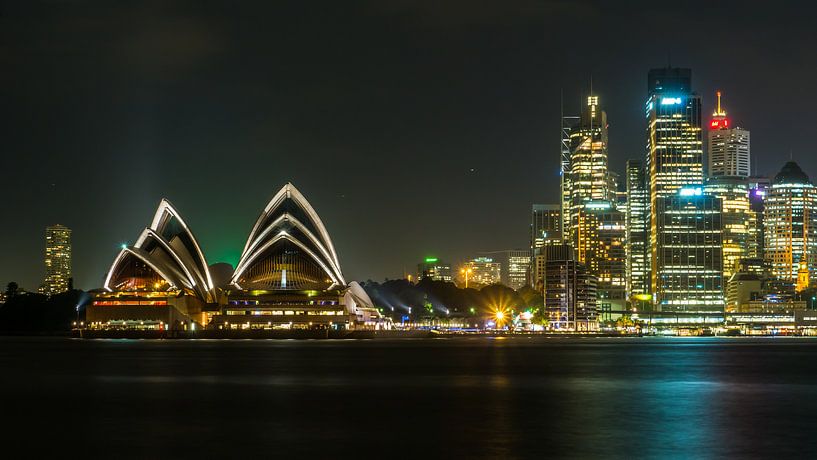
[{"x": 415, "y": 127}]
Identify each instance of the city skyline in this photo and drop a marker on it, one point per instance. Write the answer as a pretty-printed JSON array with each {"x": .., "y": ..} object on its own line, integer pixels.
[{"x": 99, "y": 172}]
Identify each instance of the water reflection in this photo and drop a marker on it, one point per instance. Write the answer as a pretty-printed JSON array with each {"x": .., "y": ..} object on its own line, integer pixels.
[{"x": 465, "y": 397}]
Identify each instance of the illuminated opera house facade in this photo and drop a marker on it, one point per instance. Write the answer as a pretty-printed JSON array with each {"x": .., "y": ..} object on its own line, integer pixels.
[{"x": 288, "y": 277}]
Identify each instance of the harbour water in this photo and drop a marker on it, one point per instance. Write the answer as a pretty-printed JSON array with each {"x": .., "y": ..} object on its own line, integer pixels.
[{"x": 456, "y": 397}]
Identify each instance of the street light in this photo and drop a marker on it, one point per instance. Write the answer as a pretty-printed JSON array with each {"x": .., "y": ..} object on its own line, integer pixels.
[{"x": 466, "y": 272}]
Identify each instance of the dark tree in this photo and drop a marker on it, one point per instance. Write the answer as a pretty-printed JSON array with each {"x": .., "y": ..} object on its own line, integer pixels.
[{"x": 11, "y": 289}]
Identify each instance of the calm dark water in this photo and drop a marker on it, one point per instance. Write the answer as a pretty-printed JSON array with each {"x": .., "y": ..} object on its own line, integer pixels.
[{"x": 467, "y": 398}]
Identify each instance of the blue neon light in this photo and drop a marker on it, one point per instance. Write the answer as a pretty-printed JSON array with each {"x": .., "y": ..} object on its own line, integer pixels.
[{"x": 671, "y": 100}]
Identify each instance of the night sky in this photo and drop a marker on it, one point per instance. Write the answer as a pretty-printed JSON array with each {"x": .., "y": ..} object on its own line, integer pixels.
[{"x": 415, "y": 128}]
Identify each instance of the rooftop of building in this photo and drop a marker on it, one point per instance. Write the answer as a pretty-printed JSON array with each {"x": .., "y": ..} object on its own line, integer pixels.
[{"x": 791, "y": 173}]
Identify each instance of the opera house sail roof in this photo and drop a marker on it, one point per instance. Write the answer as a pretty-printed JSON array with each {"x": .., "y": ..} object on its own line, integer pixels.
[
  {"x": 288, "y": 248},
  {"x": 165, "y": 257}
]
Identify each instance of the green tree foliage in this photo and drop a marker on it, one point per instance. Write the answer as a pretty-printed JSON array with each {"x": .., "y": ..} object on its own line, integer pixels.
[{"x": 397, "y": 297}]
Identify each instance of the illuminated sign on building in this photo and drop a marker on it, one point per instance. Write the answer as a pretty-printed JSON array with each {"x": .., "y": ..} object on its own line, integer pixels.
[{"x": 671, "y": 100}]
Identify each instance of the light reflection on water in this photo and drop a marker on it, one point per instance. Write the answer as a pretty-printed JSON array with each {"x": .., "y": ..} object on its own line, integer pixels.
[{"x": 473, "y": 397}]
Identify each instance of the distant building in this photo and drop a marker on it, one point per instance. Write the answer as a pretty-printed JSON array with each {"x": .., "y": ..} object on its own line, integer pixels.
[
  {"x": 728, "y": 147},
  {"x": 515, "y": 266},
  {"x": 482, "y": 271},
  {"x": 742, "y": 288},
  {"x": 689, "y": 261},
  {"x": 57, "y": 259},
  {"x": 435, "y": 270},
  {"x": 790, "y": 224},
  {"x": 637, "y": 218},
  {"x": 570, "y": 296},
  {"x": 546, "y": 225},
  {"x": 551, "y": 252}
]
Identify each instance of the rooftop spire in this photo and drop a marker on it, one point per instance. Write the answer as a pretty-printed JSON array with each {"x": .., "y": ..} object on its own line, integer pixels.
[{"x": 719, "y": 112}]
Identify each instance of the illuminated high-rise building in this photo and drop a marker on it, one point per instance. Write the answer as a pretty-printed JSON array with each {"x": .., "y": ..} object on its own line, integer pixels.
[
  {"x": 790, "y": 224},
  {"x": 738, "y": 219},
  {"x": 589, "y": 177},
  {"x": 728, "y": 148},
  {"x": 57, "y": 259},
  {"x": 674, "y": 152},
  {"x": 600, "y": 246},
  {"x": 636, "y": 220},
  {"x": 689, "y": 273}
]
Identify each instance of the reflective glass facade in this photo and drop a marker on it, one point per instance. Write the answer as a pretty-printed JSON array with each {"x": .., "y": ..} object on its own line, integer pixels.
[{"x": 689, "y": 276}]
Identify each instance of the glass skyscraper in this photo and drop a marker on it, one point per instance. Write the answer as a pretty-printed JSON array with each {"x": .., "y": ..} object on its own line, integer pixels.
[
  {"x": 689, "y": 260},
  {"x": 674, "y": 152}
]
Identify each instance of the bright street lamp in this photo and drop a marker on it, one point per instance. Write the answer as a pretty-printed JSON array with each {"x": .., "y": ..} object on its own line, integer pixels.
[{"x": 466, "y": 272}]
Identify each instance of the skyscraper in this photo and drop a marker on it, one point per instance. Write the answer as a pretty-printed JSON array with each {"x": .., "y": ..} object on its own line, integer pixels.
[
  {"x": 600, "y": 246},
  {"x": 728, "y": 146},
  {"x": 57, "y": 259},
  {"x": 674, "y": 148},
  {"x": 636, "y": 219},
  {"x": 790, "y": 224},
  {"x": 589, "y": 177},
  {"x": 689, "y": 273}
]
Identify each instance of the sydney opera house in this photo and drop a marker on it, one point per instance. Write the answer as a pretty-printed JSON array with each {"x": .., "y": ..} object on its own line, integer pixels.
[{"x": 288, "y": 277}]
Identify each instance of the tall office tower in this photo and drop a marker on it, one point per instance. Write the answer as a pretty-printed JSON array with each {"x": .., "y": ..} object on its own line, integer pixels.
[
  {"x": 589, "y": 177},
  {"x": 482, "y": 271},
  {"x": 600, "y": 246},
  {"x": 636, "y": 220},
  {"x": 790, "y": 224},
  {"x": 738, "y": 218},
  {"x": 57, "y": 259},
  {"x": 674, "y": 149},
  {"x": 728, "y": 146},
  {"x": 689, "y": 273}
]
